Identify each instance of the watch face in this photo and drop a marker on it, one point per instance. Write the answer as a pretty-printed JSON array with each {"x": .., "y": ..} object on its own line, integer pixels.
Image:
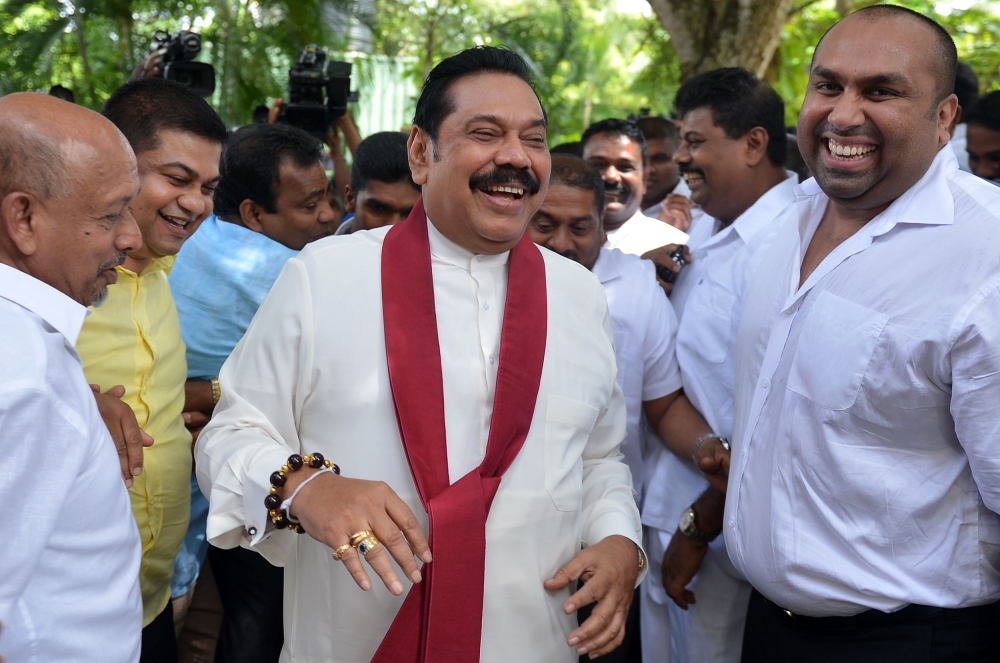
[{"x": 687, "y": 520}]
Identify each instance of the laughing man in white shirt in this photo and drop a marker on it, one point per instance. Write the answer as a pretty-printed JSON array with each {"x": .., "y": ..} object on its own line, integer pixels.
[
  {"x": 69, "y": 571},
  {"x": 644, "y": 324},
  {"x": 733, "y": 150},
  {"x": 667, "y": 196},
  {"x": 617, "y": 149},
  {"x": 865, "y": 483}
]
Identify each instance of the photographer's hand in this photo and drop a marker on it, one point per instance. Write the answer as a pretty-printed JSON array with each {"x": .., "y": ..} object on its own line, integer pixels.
[
  {"x": 150, "y": 66},
  {"x": 350, "y": 130},
  {"x": 274, "y": 112}
]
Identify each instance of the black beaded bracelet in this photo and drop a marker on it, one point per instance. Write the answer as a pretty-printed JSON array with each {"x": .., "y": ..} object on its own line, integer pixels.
[{"x": 280, "y": 517}]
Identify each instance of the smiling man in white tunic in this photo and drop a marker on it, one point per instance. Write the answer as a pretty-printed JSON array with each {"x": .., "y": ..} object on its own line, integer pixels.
[{"x": 463, "y": 383}]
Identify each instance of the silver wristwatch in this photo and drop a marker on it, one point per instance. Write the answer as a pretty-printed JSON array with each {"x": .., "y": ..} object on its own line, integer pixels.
[
  {"x": 710, "y": 436},
  {"x": 689, "y": 527}
]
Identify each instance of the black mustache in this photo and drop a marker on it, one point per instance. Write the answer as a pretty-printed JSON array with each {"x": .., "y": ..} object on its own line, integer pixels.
[
  {"x": 113, "y": 262},
  {"x": 685, "y": 168},
  {"x": 505, "y": 176},
  {"x": 570, "y": 254}
]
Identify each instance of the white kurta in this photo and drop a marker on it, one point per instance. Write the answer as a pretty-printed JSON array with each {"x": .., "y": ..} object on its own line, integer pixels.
[
  {"x": 865, "y": 471},
  {"x": 310, "y": 375},
  {"x": 69, "y": 567},
  {"x": 708, "y": 297}
]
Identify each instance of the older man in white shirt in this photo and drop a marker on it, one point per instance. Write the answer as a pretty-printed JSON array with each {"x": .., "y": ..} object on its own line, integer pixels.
[
  {"x": 478, "y": 367},
  {"x": 865, "y": 483},
  {"x": 69, "y": 572},
  {"x": 733, "y": 149},
  {"x": 644, "y": 324},
  {"x": 617, "y": 149}
]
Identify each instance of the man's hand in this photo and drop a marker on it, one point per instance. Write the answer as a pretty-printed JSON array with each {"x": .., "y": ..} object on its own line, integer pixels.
[
  {"x": 713, "y": 461},
  {"x": 333, "y": 508},
  {"x": 609, "y": 569},
  {"x": 274, "y": 112},
  {"x": 150, "y": 66},
  {"x": 676, "y": 212},
  {"x": 661, "y": 258},
  {"x": 129, "y": 439},
  {"x": 680, "y": 564}
]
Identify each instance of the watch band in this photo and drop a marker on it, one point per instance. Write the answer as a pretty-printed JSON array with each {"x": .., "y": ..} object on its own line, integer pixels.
[
  {"x": 690, "y": 527},
  {"x": 710, "y": 436}
]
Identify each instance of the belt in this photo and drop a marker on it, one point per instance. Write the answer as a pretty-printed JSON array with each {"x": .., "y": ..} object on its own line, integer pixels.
[{"x": 911, "y": 614}]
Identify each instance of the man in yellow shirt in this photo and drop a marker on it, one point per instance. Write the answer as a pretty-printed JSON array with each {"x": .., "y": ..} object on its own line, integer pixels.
[{"x": 134, "y": 339}]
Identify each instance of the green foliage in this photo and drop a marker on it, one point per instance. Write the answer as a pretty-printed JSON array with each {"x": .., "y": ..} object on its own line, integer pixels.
[{"x": 592, "y": 60}]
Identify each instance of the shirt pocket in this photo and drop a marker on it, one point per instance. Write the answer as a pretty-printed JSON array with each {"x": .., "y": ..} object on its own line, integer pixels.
[
  {"x": 568, "y": 424},
  {"x": 834, "y": 349}
]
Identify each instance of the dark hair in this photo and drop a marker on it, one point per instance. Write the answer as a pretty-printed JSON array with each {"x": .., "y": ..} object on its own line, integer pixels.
[
  {"x": 946, "y": 56},
  {"x": 572, "y": 148},
  {"x": 659, "y": 128},
  {"x": 61, "y": 92},
  {"x": 966, "y": 85},
  {"x": 251, "y": 165},
  {"x": 381, "y": 157},
  {"x": 616, "y": 127},
  {"x": 739, "y": 101},
  {"x": 436, "y": 102},
  {"x": 569, "y": 170},
  {"x": 985, "y": 111},
  {"x": 143, "y": 108}
]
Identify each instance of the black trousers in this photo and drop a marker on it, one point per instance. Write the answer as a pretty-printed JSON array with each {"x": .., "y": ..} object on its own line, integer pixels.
[
  {"x": 159, "y": 643},
  {"x": 916, "y": 634},
  {"x": 250, "y": 589},
  {"x": 630, "y": 650}
]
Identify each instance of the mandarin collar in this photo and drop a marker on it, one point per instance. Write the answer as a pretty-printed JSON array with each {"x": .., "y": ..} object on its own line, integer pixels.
[{"x": 444, "y": 249}]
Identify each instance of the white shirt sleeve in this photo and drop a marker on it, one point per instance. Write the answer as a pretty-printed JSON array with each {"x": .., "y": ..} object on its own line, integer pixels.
[
  {"x": 975, "y": 359},
  {"x": 661, "y": 373},
  {"x": 254, "y": 427},
  {"x": 608, "y": 503},
  {"x": 36, "y": 476}
]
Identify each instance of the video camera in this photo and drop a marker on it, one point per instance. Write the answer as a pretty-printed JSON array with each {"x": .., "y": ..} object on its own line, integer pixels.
[
  {"x": 317, "y": 95},
  {"x": 177, "y": 64}
]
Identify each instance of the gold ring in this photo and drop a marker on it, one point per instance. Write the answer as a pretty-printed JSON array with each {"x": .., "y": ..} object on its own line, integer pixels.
[
  {"x": 339, "y": 552},
  {"x": 366, "y": 545},
  {"x": 360, "y": 536}
]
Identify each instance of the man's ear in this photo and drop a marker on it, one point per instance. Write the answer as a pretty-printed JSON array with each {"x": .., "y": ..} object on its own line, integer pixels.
[
  {"x": 20, "y": 216},
  {"x": 420, "y": 150},
  {"x": 250, "y": 215},
  {"x": 349, "y": 199},
  {"x": 756, "y": 144},
  {"x": 949, "y": 113}
]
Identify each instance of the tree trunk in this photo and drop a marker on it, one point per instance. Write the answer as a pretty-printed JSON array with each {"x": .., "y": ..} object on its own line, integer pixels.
[
  {"x": 88, "y": 78},
  {"x": 707, "y": 34}
]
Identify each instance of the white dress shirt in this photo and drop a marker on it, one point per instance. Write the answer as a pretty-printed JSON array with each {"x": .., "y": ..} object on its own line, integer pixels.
[
  {"x": 708, "y": 297},
  {"x": 645, "y": 329},
  {"x": 69, "y": 570},
  {"x": 865, "y": 468},
  {"x": 641, "y": 234},
  {"x": 310, "y": 375}
]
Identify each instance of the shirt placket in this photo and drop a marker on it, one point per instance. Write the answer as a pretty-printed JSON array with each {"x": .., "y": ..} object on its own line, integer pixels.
[
  {"x": 489, "y": 336},
  {"x": 145, "y": 360}
]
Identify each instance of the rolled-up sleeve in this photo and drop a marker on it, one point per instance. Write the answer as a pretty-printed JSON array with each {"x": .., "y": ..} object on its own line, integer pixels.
[
  {"x": 254, "y": 427},
  {"x": 975, "y": 370},
  {"x": 609, "y": 506}
]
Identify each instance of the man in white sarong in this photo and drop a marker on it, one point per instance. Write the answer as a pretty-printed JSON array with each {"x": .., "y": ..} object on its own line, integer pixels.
[{"x": 389, "y": 352}]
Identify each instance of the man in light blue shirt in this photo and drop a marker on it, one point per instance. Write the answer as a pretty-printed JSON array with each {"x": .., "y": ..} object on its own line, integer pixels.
[{"x": 270, "y": 202}]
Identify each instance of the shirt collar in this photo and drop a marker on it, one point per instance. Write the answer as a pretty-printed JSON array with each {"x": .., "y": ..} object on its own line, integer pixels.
[
  {"x": 64, "y": 314},
  {"x": 450, "y": 252},
  {"x": 928, "y": 202},
  {"x": 762, "y": 213},
  {"x": 605, "y": 269},
  {"x": 164, "y": 264}
]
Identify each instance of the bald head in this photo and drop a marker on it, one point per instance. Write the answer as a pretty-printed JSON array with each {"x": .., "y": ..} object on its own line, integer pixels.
[
  {"x": 47, "y": 145},
  {"x": 941, "y": 58},
  {"x": 67, "y": 177}
]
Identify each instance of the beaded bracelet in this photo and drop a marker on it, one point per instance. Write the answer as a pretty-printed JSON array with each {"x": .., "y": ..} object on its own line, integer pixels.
[{"x": 280, "y": 517}]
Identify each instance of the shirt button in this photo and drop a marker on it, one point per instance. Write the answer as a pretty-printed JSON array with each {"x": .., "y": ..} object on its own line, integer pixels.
[
  {"x": 479, "y": 258},
  {"x": 491, "y": 360},
  {"x": 765, "y": 383},
  {"x": 252, "y": 531},
  {"x": 732, "y": 522},
  {"x": 486, "y": 306}
]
